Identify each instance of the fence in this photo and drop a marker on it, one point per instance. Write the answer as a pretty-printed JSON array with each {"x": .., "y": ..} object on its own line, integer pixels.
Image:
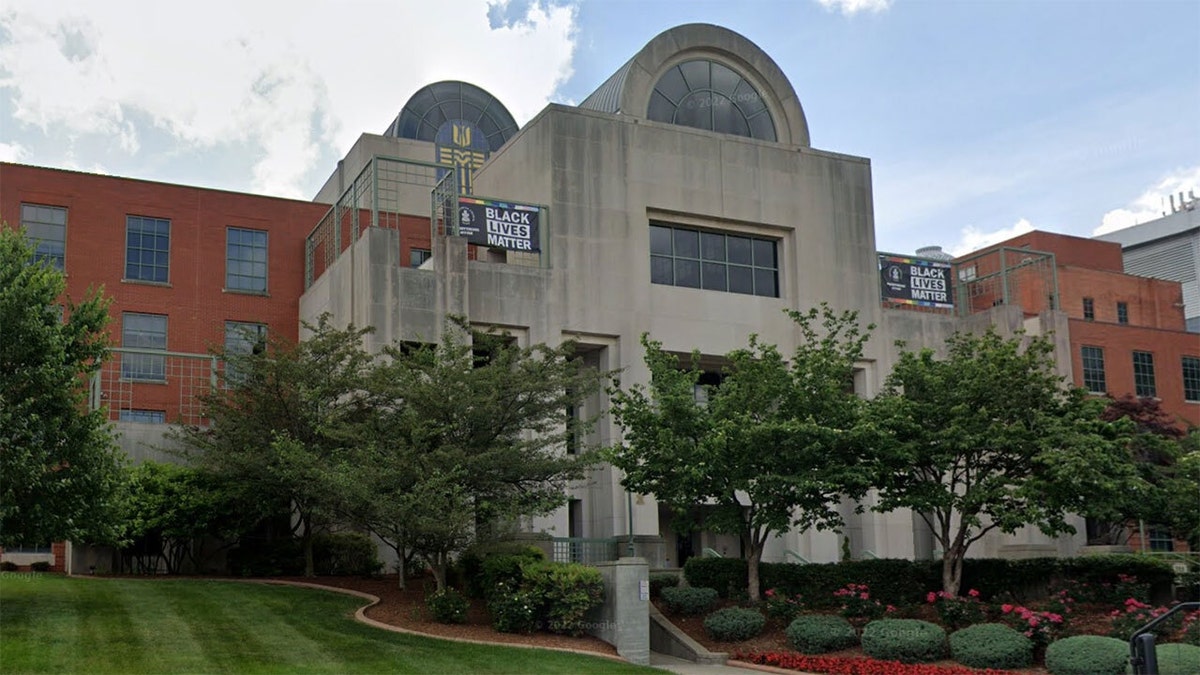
[
  {"x": 582, "y": 550},
  {"x": 146, "y": 385}
]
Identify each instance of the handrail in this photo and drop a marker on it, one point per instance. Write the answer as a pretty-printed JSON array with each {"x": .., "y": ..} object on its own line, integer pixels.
[
  {"x": 710, "y": 553},
  {"x": 870, "y": 554},
  {"x": 1143, "y": 655},
  {"x": 797, "y": 556}
]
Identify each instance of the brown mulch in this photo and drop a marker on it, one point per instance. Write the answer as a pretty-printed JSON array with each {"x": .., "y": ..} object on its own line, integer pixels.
[{"x": 406, "y": 609}]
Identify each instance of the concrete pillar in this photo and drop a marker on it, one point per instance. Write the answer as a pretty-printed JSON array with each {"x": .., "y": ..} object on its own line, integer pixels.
[
  {"x": 623, "y": 620},
  {"x": 450, "y": 262}
]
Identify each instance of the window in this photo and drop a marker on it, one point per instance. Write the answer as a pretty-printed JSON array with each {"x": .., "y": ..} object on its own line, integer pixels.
[
  {"x": 1160, "y": 539},
  {"x": 147, "y": 249},
  {"x": 418, "y": 256},
  {"x": 1093, "y": 370},
  {"x": 1191, "y": 378},
  {"x": 46, "y": 227},
  {"x": 243, "y": 338},
  {"x": 708, "y": 95},
  {"x": 144, "y": 332},
  {"x": 41, "y": 549},
  {"x": 144, "y": 416},
  {"x": 245, "y": 260},
  {"x": 1143, "y": 374},
  {"x": 1089, "y": 309},
  {"x": 1123, "y": 313},
  {"x": 713, "y": 261}
]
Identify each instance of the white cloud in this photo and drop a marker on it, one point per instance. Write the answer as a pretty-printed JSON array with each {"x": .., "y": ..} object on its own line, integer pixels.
[
  {"x": 13, "y": 152},
  {"x": 852, "y": 7},
  {"x": 285, "y": 84},
  {"x": 1152, "y": 203},
  {"x": 974, "y": 239}
]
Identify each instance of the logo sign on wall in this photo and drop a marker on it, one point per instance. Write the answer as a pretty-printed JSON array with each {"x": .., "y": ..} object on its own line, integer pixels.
[
  {"x": 498, "y": 224},
  {"x": 916, "y": 281},
  {"x": 461, "y": 145}
]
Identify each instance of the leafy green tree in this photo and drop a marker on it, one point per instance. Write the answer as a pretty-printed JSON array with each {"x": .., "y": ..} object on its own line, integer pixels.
[
  {"x": 61, "y": 469},
  {"x": 279, "y": 420},
  {"x": 1182, "y": 488},
  {"x": 774, "y": 446},
  {"x": 989, "y": 438}
]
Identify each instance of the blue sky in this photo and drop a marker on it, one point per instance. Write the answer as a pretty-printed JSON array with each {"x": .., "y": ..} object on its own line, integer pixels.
[{"x": 981, "y": 119}]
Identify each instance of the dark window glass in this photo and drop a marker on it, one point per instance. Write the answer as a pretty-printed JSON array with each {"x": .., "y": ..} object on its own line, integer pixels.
[
  {"x": 762, "y": 127},
  {"x": 740, "y": 251},
  {"x": 724, "y": 80},
  {"x": 764, "y": 283},
  {"x": 662, "y": 270},
  {"x": 418, "y": 256},
  {"x": 660, "y": 240},
  {"x": 696, "y": 73},
  {"x": 245, "y": 260},
  {"x": 143, "y": 332},
  {"x": 1191, "y": 378},
  {"x": 1160, "y": 539},
  {"x": 46, "y": 228},
  {"x": 695, "y": 259},
  {"x": 147, "y": 245},
  {"x": 764, "y": 253},
  {"x": 712, "y": 246},
  {"x": 1143, "y": 374},
  {"x": 726, "y": 117},
  {"x": 711, "y": 96},
  {"x": 687, "y": 273},
  {"x": 1089, "y": 309},
  {"x": 660, "y": 107},
  {"x": 687, "y": 244},
  {"x": 741, "y": 279},
  {"x": 695, "y": 110},
  {"x": 144, "y": 416},
  {"x": 673, "y": 88},
  {"x": 748, "y": 100},
  {"x": 1093, "y": 370},
  {"x": 1122, "y": 313},
  {"x": 714, "y": 276}
]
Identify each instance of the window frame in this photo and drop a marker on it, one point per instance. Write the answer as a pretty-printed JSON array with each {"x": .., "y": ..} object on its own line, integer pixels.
[
  {"x": 139, "y": 266},
  {"x": 1123, "y": 313},
  {"x": 1090, "y": 376},
  {"x": 705, "y": 258},
  {"x": 1089, "y": 309},
  {"x": 130, "y": 374},
  {"x": 1144, "y": 384},
  {"x": 60, "y": 260},
  {"x": 424, "y": 253},
  {"x": 231, "y": 326},
  {"x": 133, "y": 415},
  {"x": 1191, "y": 380},
  {"x": 265, "y": 262}
]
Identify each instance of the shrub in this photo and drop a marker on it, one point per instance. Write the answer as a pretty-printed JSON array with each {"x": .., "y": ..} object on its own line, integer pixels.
[
  {"x": 783, "y": 607},
  {"x": 688, "y": 600},
  {"x": 504, "y": 569},
  {"x": 8, "y": 566},
  {"x": 345, "y": 554},
  {"x": 856, "y": 602},
  {"x": 957, "y": 611},
  {"x": 1191, "y": 628},
  {"x": 726, "y": 575},
  {"x": 661, "y": 580},
  {"x": 564, "y": 593},
  {"x": 1041, "y": 627},
  {"x": 734, "y": 624},
  {"x": 904, "y": 640},
  {"x": 1137, "y": 614},
  {"x": 1178, "y": 659},
  {"x": 39, "y": 566},
  {"x": 267, "y": 558},
  {"x": 447, "y": 606},
  {"x": 991, "y": 645},
  {"x": 1087, "y": 655},
  {"x": 820, "y": 633},
  {"x": 513, "y": 610}
]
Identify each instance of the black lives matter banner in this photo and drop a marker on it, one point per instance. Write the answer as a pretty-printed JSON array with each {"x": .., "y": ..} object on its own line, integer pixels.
[
  {"x": 916, "y": 281},
  {"x": 499, "y": 225}
]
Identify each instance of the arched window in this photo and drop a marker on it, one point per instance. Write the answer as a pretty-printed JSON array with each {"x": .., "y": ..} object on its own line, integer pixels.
[{"x": 708, "y": 95}]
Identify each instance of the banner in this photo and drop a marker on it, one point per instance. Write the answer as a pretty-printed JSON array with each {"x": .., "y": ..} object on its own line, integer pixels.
[
  {"x": 916, "y": 281},
  {"x": 499, "y": 225}
]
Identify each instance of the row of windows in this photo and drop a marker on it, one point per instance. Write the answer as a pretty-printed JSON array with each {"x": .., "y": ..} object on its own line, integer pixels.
[
  {"x": 713, "y": 261},
  {"x": 149, "y": 332},
  {"x": 1143, "y": 374},
  {"x": 1089, "y": 311},
  {"x": 148, "y": 248}
]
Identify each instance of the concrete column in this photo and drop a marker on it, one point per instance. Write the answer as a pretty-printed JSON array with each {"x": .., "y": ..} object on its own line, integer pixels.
[
  {"x": 623, "y": 620},
  {"x": 450, "y": 262}
]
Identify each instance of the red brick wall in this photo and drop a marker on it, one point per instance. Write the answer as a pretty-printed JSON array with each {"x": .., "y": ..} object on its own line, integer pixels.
[{"x": 1155, "y": 303}]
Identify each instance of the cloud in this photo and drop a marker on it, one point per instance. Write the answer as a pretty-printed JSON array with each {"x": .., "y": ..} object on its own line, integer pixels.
[
  {"x": 1152, "y": 203},
  {"x": 286, "y": 87},
  {"x": 973, "y": 238},
  {"x": 852, "y": 7},
  {"x": 13, "y": 152}
]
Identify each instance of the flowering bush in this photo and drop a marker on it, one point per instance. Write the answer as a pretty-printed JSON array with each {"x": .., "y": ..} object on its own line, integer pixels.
[
  {"x": 1041, "y": 627},
  {"x": 1191, "y": 628},
  {"x": 957, "y": 611},
  {"x": 1099, "y": 592},
  {"x": 513, "y": 610},
  {"x": 1137, "y": 614},
  {"x": 854, "y": 665},
  {"x": 447, "y": 606},
  {"x": 783, "y": 607},
  {"x": 856, "y": 603}
]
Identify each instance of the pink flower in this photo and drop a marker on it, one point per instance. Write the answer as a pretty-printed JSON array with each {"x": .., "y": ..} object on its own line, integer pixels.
[
  {"x": 973, "y": 593},
  {"x": 1006, "y": 608},
  {"x": 770, "y": 592},
  {"x": 932, "y": 597},
  {"x": 864, "y": 596}
]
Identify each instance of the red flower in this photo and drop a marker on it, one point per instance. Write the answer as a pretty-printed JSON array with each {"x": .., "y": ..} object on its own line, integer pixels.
[{"x": 973, "y": 593}]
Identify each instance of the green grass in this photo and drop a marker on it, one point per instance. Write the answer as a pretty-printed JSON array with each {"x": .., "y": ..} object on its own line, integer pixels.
[{"x": 55, "y": 624}]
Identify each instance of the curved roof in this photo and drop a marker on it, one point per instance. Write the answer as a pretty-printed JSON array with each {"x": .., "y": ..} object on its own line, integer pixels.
[
  {"x": 628, "y": 91},
  {"x": 435, "y": 104}
]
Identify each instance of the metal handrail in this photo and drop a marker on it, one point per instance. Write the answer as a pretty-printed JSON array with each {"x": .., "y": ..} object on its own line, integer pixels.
[
  {"x": 710, "y": 553},
  {"x": 1143, "y": 655},
  {"x": 797, "y": 556}
]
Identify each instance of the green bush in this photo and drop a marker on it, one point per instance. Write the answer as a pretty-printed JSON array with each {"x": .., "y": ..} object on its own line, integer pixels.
[
  {"x": 8, "y": 566},
  {"x": 513, "y": 610},
  {"x": 820, "y": 633},
  {"x": 991, "y": 645},
  {"x": 661, "y": 580},
  {"x": 1087, "y": 655},
  {"x": 504, "y": 569},
  {"x": 734, "y": 624},
  {"x": 447, "y": 606},
  {"x": 1178, "y": 659},
  {"x": 345, "y": 554},
  {"x": 726, "y": 575},
  {"x": 39, "y": 566},
  {"x": 267, "y": 558},
  {"x": 469, "y": 566},
  {"x": 689, "y": 601},
  {"x": 904, "y": 640},
  {"x": 564, "y": 593}
]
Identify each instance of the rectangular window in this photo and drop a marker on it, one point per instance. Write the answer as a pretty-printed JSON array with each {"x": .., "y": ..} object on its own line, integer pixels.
[
  {"x": 1093, "y": 370},
  {"x": 144, "y": 416},
  {"x": 40, "y": 549},
  {"x": 1143, "y": 374},
  {"x": 1191, "y": 378},
  {"x": 418, "y": 256},
  {"x": 245, "y": 260},
  {"x": 147, "y": 249},
  {"x": 1089, "y": 309},
  {"x": 1122, "y": 313},
  {"x": 46, "y": 227},
  {"x": 144, "y": 332},
  {"x": 242, "y": 337},
  {"x": 713, "y": 261},
  {"x": 1160, "y": 539}
]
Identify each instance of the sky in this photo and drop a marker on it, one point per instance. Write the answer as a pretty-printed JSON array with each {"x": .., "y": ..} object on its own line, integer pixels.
[{"x": 982, "y": 118}]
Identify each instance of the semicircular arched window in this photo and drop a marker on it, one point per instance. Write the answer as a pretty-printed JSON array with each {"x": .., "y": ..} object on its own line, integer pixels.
[{"x": 708, "y": 95}]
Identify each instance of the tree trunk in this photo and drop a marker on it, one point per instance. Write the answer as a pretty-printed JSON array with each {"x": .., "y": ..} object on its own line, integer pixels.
[
  {"x": 401, "y": 569},
  {"x": 439, "y": 571},
  {"x": 952, "y": 566},
  {"x": 752, "y": 583},
  {"x": 307, "y": 541}
]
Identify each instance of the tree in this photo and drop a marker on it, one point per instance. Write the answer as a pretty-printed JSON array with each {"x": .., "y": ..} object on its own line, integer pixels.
[
  {"x": 989, "y": 438},
  {"x": 279, "y": 422},
  {"x": 61, "y": 469},
  {"x": 773, "y": 447},
  {"x": 466, "y": 433}
]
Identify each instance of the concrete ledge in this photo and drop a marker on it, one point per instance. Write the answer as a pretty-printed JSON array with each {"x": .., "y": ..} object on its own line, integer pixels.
[{"x": 666, "y": 638}]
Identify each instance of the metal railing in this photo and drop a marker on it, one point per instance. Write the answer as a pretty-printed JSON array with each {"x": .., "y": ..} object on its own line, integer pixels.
[
  {"x": 148, "y": 385},
  {"x": 1006, "y": 276},
  {"x": 583, "y": 550},
  {"x": 1143, "y": 655}
]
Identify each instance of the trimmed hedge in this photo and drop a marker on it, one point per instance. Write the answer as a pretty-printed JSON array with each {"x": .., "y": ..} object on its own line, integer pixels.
[
  {"x": 904, "y": 640},
  {"x": 1087, "y": 655},
  {"x": 991, "y": 645},
  {"x": 689, "y": 601},
  {"x": 504, "y": 570},
  {"x": 820, "y": 633},
  {"x": 1178, "y": 659},
  {"x": 734, "y": 624},
  {"x": 565, "y": 592},
  {"x": 661, "y": 580}
]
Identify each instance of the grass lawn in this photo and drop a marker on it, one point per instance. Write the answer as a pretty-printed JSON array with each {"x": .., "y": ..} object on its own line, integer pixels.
[{"x": 50, "y": 623}]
